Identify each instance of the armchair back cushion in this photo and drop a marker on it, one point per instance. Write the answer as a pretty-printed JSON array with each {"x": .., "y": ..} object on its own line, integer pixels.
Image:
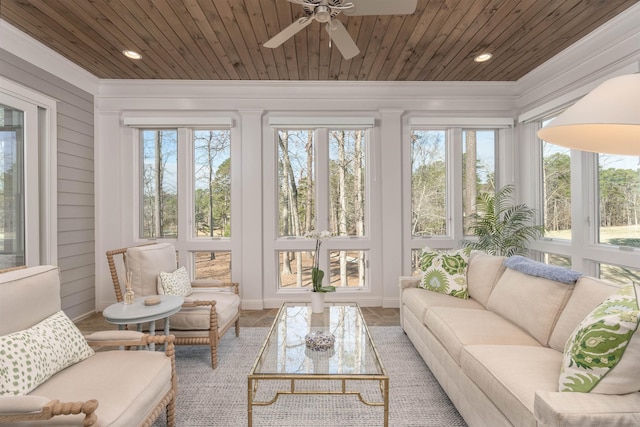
[
  {"x": 21, "y": 309},
  {"x": 145, "y": 264}
]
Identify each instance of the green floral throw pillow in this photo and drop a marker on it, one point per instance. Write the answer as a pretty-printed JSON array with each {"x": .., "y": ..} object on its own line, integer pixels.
[
  {"x": 30, "y": 357},
  {"x": 445, "y": 272},
  {"x": 176, "y": 283},
  {"x": 603, "y": 353}
]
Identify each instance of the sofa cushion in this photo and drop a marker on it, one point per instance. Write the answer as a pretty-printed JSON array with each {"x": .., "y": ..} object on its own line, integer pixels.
[
  {"x": 483, "y": 273},
  {"x": 603, "y": 353},
  {"x": 175, "y": 283},
  {"x": 124, "y": 399},
  {"x": 419, "y": 300},
  {"x": 511, "y": 375},
  {"x": 445, "y": 272},
  {"x": 43, "y": 298},
  {"x": 145, "y": 264},
  {"x": 588, "y": 293},
  {"x": 533, "y": 303},
  {"x": 459, "y": 327},
  {"x": 31, "y": 356}
]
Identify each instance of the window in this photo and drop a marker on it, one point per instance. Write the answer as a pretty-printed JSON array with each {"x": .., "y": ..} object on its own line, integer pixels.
[
  {"x": 619, "y": 197},
  {"x": 322, "y": 185},
  {"x": 28, "y": 177},
  {"x": 212, "y": 175},
  {"x": 296, "y": 182},
  {"x": 556, "y": 187},
  {"x": 428, "y": 183},
  {"x": 213, "y": 265},
  {"x": 185, "y": 196},
  {"x": 618, "y": 274},
  {"x": 478, "y": 170},
  {"x": 159, "y": 183},
  {"x": 12, "y": 202},
  {"x": 558, "y": 260}
]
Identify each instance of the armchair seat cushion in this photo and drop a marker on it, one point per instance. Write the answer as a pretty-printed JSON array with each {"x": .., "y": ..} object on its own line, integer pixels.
[
  {"x": 142, "y": 377},
  {"x": 190, "y": 318}
]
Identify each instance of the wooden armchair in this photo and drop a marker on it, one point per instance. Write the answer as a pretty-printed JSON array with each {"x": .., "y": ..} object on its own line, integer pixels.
[
  {"x": 209, "y": 310},
  {"x": 49, "y": 374}
]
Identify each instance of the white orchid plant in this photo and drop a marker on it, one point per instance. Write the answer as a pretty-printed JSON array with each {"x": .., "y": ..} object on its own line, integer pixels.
[{"x": 316, "y": 274}]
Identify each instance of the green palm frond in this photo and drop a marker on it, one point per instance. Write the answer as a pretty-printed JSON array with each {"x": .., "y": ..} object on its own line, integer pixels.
[{"x": 501, "y": 227}]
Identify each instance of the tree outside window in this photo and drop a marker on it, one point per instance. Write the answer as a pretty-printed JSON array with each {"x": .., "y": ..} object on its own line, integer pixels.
[
  {"x": 619, "y": 195},
  {"x": 212, "y": 176},
  {"x": 298, "y": 202},
  {"x": 159, "y": 183},
  {"x": 428, "y": 183}
]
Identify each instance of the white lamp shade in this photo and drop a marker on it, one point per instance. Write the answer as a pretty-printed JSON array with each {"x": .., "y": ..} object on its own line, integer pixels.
[{"x": 606, "y": 120}]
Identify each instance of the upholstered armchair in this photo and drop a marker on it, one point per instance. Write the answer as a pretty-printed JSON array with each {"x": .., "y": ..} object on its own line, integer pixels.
[
  {"x": 50, "y": 374},
  {"x": 211, "y": 307}
]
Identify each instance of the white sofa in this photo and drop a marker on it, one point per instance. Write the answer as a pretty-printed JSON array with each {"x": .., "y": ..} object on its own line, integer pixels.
[
  {"x": 54, "y": 378},
  {"x": 498, "y": 354}
]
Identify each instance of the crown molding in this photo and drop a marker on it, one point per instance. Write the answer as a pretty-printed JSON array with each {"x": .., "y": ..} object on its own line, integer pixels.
[{"x": 611, "y": 49}]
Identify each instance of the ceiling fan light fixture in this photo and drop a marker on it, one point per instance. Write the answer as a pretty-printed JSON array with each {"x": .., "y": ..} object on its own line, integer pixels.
[
  {"x": 131, "y": 54},
  {"x": 483, "y": 57},
  {"x": 322, "y": 14}
]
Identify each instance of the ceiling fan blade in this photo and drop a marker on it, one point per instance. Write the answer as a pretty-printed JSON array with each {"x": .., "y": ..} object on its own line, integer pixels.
[
  {"x": 381, "y": 7},
  {"x": 341, "y": 37},
  {"x": 287, "y": 33}
]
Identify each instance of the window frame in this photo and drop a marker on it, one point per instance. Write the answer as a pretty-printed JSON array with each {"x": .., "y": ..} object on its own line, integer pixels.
[
  {"x": 41, "y": 191},
  {"x": 187, "y": 243},
  {"x": 273, "y": 244},
  {"x": 454, "y": 127}
]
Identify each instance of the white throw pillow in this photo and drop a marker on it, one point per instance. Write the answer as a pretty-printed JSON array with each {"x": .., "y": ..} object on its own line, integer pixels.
[
  {"x": 603, "y": 353},
  {"x": 29, "y": 357},
  {"x": 176, "y": 283}
]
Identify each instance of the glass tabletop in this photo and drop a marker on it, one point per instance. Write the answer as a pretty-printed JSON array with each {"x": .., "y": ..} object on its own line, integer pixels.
[{"x": 285, "y": 351}]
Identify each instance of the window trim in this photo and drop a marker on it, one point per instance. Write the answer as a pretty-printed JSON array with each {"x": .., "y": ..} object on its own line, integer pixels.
[
  {"x": 43, "y": 201},
  {"x": 187, "y": 244}
]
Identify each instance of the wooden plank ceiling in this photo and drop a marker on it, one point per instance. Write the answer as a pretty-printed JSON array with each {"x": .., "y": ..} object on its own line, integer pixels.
[{"x": 222, "y": 39}]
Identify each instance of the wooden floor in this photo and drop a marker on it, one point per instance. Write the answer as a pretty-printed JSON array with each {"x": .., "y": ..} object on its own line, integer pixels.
[{"x": 374, "y": 316}]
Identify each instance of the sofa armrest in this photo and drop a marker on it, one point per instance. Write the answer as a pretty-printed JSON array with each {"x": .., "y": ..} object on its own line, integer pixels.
[
  {"x": 586, "y": 409},
  {"x": 409, "y": 282},
  {"x": 29, "y": 408}
]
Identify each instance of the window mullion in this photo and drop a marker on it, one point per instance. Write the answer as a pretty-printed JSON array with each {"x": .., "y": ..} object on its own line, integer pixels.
[
  {"x": 185, "y": 194},
  {"x": 322, "y": 178}
]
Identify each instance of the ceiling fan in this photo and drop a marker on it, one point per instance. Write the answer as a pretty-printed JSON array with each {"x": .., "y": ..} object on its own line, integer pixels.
[{"x": 324, "y": 11}]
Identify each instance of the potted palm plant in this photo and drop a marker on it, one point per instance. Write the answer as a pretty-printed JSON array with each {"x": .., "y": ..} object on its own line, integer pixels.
[{"x": 502, "y": 227}]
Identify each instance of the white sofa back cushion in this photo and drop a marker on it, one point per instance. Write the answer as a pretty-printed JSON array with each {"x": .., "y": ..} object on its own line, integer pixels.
[
  {"x": 145, "y": 264},
  {"x": 483, "y": 273},
  {"x": 42, "y": 300},
  {"x": 588, "y": 293},
  {"x": 533, "y": 303}
]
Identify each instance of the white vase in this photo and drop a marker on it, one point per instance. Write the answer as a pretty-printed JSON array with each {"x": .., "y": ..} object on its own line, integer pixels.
[{"x": 317, "y": 302}]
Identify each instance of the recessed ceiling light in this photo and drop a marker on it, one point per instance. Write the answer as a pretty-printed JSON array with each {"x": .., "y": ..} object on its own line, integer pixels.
[
  {"x": 483, "y": 57},
  {"x": 131, "y": 54}
]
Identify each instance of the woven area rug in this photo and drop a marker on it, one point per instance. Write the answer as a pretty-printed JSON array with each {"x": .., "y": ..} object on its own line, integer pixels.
[{"x": 218, "y": 397}]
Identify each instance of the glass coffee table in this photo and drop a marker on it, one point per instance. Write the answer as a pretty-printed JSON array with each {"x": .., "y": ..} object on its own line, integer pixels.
[{"x": 292, "y": 368}]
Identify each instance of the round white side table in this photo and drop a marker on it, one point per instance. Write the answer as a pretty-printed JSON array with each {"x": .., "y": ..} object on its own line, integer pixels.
[{"x": 122, "y": 314}]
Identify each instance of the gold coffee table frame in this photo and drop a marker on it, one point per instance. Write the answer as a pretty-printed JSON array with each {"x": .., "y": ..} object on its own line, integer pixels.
[{"x": 284, "y": 356}]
